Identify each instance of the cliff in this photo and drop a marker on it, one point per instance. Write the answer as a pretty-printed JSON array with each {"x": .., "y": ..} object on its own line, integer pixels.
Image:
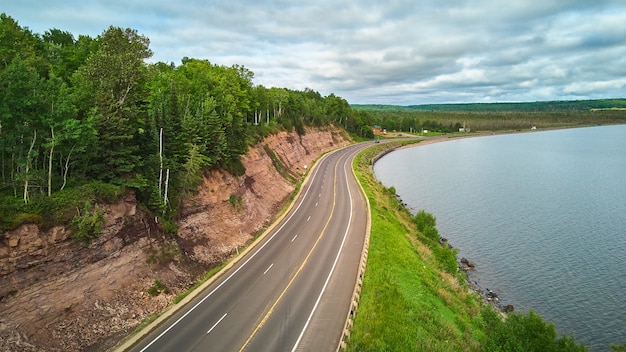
[{"x": 58, "y": 295}]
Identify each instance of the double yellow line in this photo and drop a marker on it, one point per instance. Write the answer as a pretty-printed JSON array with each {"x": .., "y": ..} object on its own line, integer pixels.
[{"x": 306, "y": 259}]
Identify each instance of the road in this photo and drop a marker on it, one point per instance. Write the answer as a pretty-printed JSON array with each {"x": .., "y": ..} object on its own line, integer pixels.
[{"x": 293, "y": 291}]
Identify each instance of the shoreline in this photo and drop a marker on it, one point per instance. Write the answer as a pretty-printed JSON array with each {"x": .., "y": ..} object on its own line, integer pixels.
[
  {"x": 488, "y": 296},
  {"x": 433, "y": 161}
]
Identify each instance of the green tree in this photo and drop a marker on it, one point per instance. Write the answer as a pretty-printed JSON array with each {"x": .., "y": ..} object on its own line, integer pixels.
[
  {"x": 17, "y": 41},
  {"x": 59, "y": 46},
  {"x": 58, "y": 119},
  {"x": 192, "y": 169},
  {"x": 20, "y": 120},
  {"x": 113, "y": 81}
]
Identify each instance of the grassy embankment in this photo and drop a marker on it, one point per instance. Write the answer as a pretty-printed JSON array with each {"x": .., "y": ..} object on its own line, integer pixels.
[
  {"x": 408, "y": 301},
  {"x": 414, "y": 298}
]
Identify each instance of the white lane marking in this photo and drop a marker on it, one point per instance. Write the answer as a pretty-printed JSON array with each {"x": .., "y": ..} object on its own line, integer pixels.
[
  {"x": 309, "y": 218},
  {"x": 316, "y": 203},
  {"x": 319, "y": 195},
  {"x": 332, "y": 269},
  {"x": 268, "y": 269},
  {"x": 214, "y": 325},
  {"x": 236, "y": 270},
  {"x": 294, "y": 238}
]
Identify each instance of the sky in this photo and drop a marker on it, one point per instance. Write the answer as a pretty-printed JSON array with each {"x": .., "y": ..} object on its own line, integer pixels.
[{"x": 402, "y": 52}]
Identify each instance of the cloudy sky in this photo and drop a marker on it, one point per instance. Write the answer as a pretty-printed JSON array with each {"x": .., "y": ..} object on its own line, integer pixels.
[{"x": 373, "y": 51}]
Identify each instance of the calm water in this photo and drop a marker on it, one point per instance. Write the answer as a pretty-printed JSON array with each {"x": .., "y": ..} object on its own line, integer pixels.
[{"x": 542, "y": 214}]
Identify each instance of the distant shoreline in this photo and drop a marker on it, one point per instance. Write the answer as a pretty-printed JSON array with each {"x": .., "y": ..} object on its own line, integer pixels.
[{"x": 451, "y": 137}]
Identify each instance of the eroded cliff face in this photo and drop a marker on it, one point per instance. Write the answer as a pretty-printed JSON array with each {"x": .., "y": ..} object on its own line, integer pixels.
[{"x": 58, "y": 295}]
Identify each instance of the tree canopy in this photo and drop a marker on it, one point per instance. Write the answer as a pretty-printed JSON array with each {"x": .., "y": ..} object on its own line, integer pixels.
[{"x": 75, "y": 110}]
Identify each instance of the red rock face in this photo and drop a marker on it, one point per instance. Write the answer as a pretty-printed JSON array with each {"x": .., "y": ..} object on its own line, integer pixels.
[{"x": 59, "y": 295}]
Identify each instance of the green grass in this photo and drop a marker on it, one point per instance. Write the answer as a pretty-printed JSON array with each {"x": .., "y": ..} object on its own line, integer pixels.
[
  {"x": 412, "y": 299},
  {"x": 146, "y": 322},
  {"x": 408, "y": 303},
  {"x": 59, "y": 209}
]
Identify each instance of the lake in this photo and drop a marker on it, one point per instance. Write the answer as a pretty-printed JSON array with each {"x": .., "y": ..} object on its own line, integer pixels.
[{"x": 541, "y": 214}]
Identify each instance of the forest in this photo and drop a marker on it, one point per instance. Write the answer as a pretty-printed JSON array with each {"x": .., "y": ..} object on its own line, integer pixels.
[{"x": 84, "y": 117}]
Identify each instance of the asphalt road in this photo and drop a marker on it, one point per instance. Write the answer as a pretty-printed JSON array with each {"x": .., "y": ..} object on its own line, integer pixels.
[{"x": 293, "y": 291}]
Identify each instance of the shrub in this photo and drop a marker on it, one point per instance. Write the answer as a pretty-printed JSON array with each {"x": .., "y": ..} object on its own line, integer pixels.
[
  {"x": 169, "y": 227},
  {"x": 235, "y": 166},
  {"x": 423, "y": 220},
  {"x": 235, "y": 201},
  {"x": 157, "y": 288},
  {"x": 10, "y": 207},
  {"x": 525, "y": 332},
  {"x": 26, "y": 218},
  {"x": 620, "y": 348},
  {"x": 431, "y": 233},
  {"x": 96, "y": 191},
  {"x": 390, "y": 190},
  {"x": 447, "y": 258},
  {"x": 88, "y": 224}
]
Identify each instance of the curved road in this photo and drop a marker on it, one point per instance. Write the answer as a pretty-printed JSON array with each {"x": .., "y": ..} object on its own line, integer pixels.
[{"x": 293, "y": 290}]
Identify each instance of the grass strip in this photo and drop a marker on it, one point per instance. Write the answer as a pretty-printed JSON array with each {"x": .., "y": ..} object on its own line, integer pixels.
[{"x": 408, "y": 303}]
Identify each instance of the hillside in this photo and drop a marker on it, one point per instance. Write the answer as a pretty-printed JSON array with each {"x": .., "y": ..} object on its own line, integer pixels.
[{"x": 62, "y": 295}]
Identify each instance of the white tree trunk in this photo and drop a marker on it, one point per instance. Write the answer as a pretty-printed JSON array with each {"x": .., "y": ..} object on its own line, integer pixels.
[
  {"x": 50, "y": 162},
  {"x": 66, "y": 168},
  {"x": 160, "y": 159},
  {"x": 167, "y": 181},
  {"x": 30, "y": 150}
]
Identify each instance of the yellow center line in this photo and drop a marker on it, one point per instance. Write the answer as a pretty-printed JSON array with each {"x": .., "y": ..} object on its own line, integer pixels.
[{"x": 306, "y": 259}]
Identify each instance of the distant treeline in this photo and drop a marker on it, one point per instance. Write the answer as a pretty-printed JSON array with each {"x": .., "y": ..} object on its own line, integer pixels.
[
  {"x": 448, "y": 118},
  {"x": 538, "y": 106}
]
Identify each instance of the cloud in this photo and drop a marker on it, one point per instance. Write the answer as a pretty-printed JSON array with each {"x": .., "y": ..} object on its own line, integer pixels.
[
  {"x": 587, "y": 88},
  {"x": 398, "y": 52}
]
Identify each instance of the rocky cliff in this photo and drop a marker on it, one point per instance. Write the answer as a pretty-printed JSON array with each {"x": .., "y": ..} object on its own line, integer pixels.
[{"x": 58, "y": 295}]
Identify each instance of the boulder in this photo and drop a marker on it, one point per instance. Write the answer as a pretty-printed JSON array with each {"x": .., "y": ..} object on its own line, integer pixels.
[{"x": 467, "y": 263}]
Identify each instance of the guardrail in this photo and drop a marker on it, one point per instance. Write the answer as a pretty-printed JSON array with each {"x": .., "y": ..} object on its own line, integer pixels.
[{"x": 356, "y": 294}]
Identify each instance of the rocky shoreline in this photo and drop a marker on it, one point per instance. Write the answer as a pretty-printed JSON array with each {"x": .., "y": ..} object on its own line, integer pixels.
[{"x": 489, "y": 296}]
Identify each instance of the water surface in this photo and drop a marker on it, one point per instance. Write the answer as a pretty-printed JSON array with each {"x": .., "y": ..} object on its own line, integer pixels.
[{"x": 542, "y": 214}]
